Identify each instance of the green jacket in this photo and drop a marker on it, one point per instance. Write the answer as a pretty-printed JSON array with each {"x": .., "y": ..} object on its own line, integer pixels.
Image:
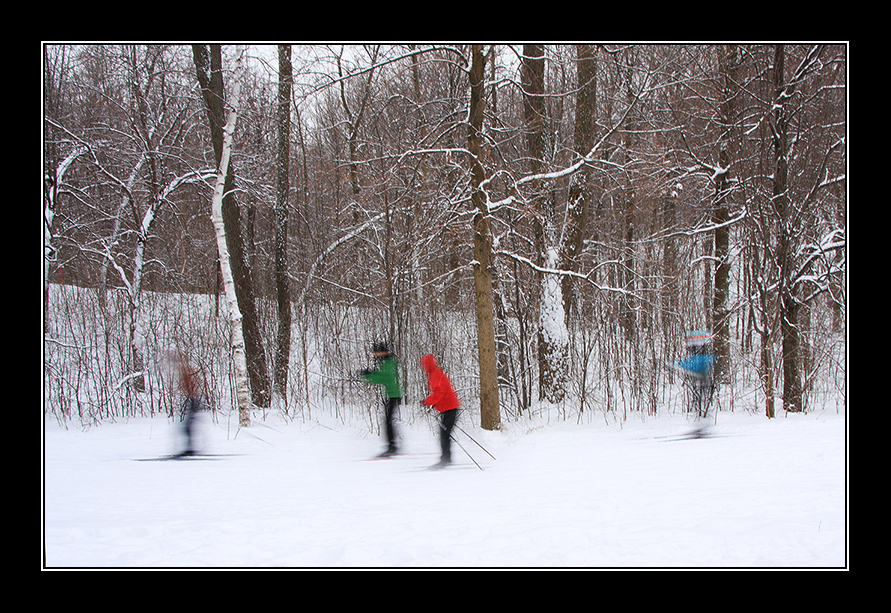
[{"x": 387, "y": 375}]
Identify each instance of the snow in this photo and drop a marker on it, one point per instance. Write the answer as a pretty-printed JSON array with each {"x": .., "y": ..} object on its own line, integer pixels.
[{"x": 764, "y": 494}]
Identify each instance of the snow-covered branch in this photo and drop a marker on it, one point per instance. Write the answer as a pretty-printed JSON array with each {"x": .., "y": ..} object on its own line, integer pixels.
[
  {"x": 561, "y": 272},
  {"x": 319, "y": 260}
]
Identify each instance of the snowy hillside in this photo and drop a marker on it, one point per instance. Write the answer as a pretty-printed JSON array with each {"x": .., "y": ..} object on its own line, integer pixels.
[{"x": 765, "y": 493}]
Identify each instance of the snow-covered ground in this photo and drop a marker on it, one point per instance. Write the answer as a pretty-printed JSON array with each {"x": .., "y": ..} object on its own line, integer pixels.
[{"x": 767, "y": 493}]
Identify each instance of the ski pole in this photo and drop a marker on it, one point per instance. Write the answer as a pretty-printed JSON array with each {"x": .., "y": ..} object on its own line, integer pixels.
[
  {"x": 465, "y": 451},
  {"x": 474, "y": 440}
]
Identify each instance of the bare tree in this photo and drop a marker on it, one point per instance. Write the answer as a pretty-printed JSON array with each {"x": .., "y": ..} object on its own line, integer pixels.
[
  {"x": 355, "y": 115},
  {"x": 553, "y": 339},
  {"x": 793, "y": 198},
  {"x": 490, "y": 414},
  {"x": 282, "y": 284},
  {"x": 728, "y": 62},
  {"x": 581, "y": 184},
  {"x": 242, "y": 386},
  {"x": 208, "y": 66}
]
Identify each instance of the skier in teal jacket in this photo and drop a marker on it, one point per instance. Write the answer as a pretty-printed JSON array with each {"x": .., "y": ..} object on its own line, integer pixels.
[{"x": 387, "y": 375}]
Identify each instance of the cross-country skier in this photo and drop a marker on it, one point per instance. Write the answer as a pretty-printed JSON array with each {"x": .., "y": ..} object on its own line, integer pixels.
[
  {"x": 699, "y": 369},
  {"x": 443, "y": 398},
  {"x": 190, "y": 384},
  {"x": 386, "y": 375}
]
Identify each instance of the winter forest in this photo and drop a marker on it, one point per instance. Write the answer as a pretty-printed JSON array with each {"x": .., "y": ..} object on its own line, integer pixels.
[{"x": 548, "y": 220}]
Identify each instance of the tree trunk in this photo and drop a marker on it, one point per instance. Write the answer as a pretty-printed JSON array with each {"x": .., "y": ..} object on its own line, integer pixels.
[
  {"x": 580, "y": 189},
  {"x": 792, "y": 390},
  {"x": 553, "y": 340},
  {"x": 627, "y": 276},
  {"x": 242, "y": 388},
  {"x": 727, "y": 61},
  {"x": 282, "y": 286},
  {"x": 210, "y": 77},
  {"x": 52, "y": 187},
  {"x": 490, "y": 416}
]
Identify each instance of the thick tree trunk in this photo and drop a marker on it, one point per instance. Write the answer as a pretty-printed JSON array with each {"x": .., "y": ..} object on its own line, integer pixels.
[
  {"x": 553, "y": 340},
  {"x": 580, "y": 189},
  {"x": 792, "y": 391},
  {"x": 490, "y": 415},
  {"x": 727, "y": 62}
]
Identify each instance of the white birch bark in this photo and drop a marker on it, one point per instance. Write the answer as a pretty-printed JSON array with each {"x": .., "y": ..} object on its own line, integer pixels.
[
  {"x": 53, "y": 187},
  {"x": 242, "y": 385},
  {"x": 134, "y": 287}
]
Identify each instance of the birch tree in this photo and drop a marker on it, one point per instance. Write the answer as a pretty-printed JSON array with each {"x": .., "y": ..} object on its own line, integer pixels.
[
  {"x": 133, "y": 285},
  {"x": 242, "y": 385},
  {"x": 209, "y": 73},
  {"x": 53, "y": 186}
]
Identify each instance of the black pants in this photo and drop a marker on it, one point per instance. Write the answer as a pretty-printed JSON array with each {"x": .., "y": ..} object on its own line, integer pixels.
[
  {"x": 190, "y": 413},
  {"x": 448, "y": 419},
  {"x": 391, "y": 408}
]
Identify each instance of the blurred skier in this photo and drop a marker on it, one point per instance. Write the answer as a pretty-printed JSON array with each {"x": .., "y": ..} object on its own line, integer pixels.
[
  {"x": 443, "y": 398},
  {"x": 699, "y": 370},
  {"x": 387, "y": 375},
  {"x": 190, "y": 384}
]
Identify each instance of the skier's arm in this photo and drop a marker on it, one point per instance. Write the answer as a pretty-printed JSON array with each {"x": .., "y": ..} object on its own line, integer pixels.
[
  {"x": 384, "y": 376},
  {"x": 436, "y": 391},
  {"x": 372, "y": 376}
]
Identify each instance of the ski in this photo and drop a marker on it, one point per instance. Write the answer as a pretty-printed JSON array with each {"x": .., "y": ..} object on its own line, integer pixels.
[
  {"x": 447, "y": 467},
  {"x": 698, "y": 433},
  {"x": 396, "y": 456},
  {"x": 187, "y": 457}
]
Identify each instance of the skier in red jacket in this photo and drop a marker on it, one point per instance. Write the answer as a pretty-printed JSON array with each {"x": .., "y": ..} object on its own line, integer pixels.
[{"x": 443, "y": 398}]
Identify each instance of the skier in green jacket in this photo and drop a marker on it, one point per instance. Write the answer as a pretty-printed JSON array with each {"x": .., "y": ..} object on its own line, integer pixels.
[{"x": 387, "y": 375}]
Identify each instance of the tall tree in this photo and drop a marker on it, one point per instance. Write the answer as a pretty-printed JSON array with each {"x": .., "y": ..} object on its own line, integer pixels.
[
  {"x": 727, "y": 110},
  {"x": 553, "y": 341},
  {"x": 779, "y": 123},
  {"x": 282, "y": 285},
  {"x": 792, "y": 215},
  {"x": 581, "y": 187},
  {"x": 242, "y": 388},
  {"x": 490, "y": 414},
  {"x": 208, "y": 66}
]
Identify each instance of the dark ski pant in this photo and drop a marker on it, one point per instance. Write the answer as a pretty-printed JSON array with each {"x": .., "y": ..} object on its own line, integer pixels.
[
  {"x": 190, "y": 413},
  {"x": 448, "y": 419},
  {"x": 391, "y": 407}
]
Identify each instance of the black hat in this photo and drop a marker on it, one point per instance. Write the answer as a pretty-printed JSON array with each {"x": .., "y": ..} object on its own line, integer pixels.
[{"x": 380, "y": 347}]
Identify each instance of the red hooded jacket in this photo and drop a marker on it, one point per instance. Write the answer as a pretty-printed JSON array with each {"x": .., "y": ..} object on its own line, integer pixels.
[{"x": 442, "y": 394}]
